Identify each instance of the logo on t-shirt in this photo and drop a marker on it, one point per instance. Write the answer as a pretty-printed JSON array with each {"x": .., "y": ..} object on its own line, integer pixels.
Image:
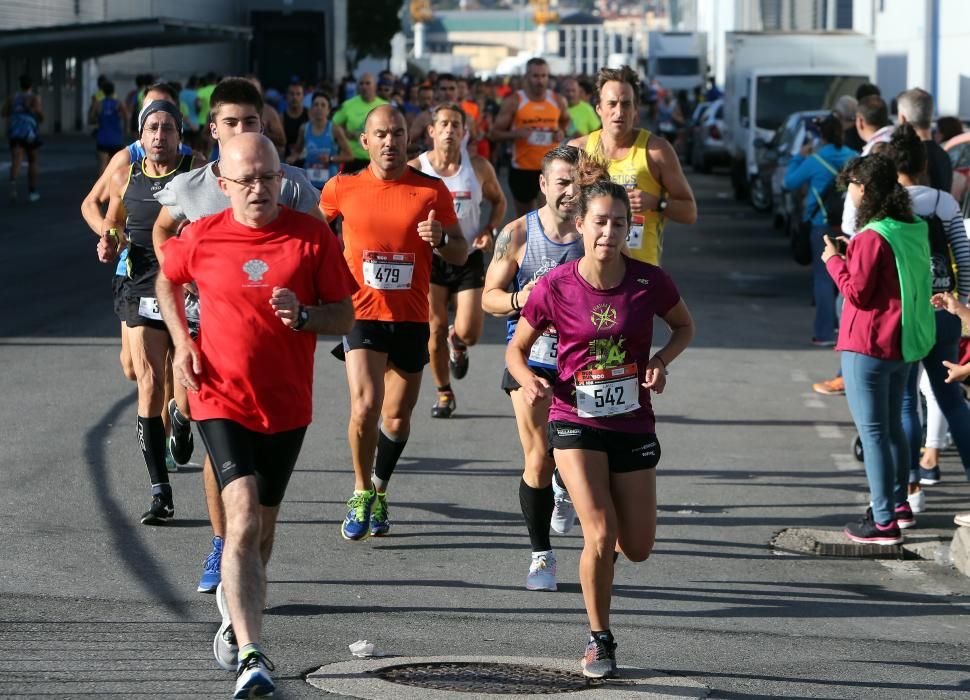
[
  {"x": 603, "y": 316},
  {"x": 255, "y": 268}
]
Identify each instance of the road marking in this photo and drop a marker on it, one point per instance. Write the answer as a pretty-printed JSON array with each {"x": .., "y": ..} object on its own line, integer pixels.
[
  {"x": 811, "y": 400},
  {"x": 845, "y": 462},
  {"x": 829, "y": 431},
  {"x": 799, "y": 376}
]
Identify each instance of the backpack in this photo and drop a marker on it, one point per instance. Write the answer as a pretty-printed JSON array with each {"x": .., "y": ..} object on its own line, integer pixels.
[
  {"x": 941, "y": 260},
  {"x": 831, "y": 201}
]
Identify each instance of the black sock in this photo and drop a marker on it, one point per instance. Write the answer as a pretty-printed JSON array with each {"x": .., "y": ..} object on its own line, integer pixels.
[
  {"x": 388, "y": 453},
  {"x": 445, "y": 388},
  {"x": 151, "y": 439},
  {"x": 537, "y": 505}
]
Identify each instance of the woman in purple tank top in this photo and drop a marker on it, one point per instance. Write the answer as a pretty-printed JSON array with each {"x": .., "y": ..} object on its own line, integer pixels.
[{"x": 601, "y": 423}]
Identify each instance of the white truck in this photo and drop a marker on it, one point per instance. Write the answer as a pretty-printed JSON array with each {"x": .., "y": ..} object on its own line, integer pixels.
[
  {"x": 770, "y": 75},
  {"x": 677, "y": 59}
]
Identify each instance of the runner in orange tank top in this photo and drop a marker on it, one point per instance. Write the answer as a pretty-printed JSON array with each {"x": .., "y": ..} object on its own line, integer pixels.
[
  {"x": 395, "y": 220},
  {"x": 535, "y": 119}
]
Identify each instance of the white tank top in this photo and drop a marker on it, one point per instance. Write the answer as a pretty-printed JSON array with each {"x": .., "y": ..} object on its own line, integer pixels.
[{"x": 466, "y": 193}]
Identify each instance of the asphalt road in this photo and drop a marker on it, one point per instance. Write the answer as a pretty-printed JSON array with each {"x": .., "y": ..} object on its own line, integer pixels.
[{"x": 92, "y": 603}]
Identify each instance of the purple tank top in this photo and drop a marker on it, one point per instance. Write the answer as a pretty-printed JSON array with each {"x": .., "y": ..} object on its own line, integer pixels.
[{"x": 604, "y": 343}]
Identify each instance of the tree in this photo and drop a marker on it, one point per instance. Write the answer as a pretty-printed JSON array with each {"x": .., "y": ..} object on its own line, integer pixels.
[{"x": 370, "y": 26}]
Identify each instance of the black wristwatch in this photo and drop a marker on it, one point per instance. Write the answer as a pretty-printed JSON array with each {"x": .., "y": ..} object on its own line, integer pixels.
[
  {"x": 443, "y": 242},
  {"x": 662, "y": 204},
  {"x": 302, "y": 317}
]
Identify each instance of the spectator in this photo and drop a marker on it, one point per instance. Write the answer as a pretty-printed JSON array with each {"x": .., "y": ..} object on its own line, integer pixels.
[
  {"x": 872, "y": 122},
  {"x": 948, "y": 128},
  {"x": 866, "y": 90},
  {"x": 916, "y": 109},
  {"x": 846, "y": 107}
]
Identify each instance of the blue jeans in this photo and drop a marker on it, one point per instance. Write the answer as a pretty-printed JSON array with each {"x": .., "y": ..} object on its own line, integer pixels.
[
  {"x": 875, "y": 390},
  {"x": 823, "y": 288},
  {"x": 949, "y": 396}
]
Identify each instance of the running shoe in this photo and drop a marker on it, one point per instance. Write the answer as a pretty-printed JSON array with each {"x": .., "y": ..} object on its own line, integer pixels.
[
  {"x": 180, "y": 442},
  {"x": 830, "y": 387},
  {"x": 868, "y": 531},
  {"x": 252, "y": 677},
  {"x": 917, "y": 501},
  {"x": 823, "y": 343},
  {"x": 171, "y": 466},
  {"x": 224, "y": 645},
  {"x": 380, "y": 525},
  {"x": 563, "y": 511},
  {"x": 212, "y": 568},
  {"x": 356, "y": 525},
  {"x": 161, "y": 511},
  {"x": 904, "y": 516},
  {"x": 457, "y": 355},
  {"x": 599, "y": 661},
  {"x": 445, "y": 405},
  {"x": 542, "y": 572},
  {"x": 34, "y": 197},
  {"x": 929, "y": 477}
]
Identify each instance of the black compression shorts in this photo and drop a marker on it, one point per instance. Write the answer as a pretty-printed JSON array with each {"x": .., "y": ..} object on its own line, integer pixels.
[
  {"x": 626, "y": 452},
  {"x": 458, "y": 278},
  {"x": 405, "y": 342}
]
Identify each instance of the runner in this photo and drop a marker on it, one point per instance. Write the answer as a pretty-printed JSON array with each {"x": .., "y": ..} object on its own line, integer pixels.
[
  {"x": 470, "y": 179},
  {"x": 133, "y": 210},
  {"x": 648, "y": 167},
  {"x": 24, "y": 114},
  {"x": 395, "y": 219},
  {"x": 351, "y": 118},
  {"x": 319, "y": 145},
  {"x": 109, "y": 115},
  {"x": 601, "y": 423},
  {"x": 527, "y": 249},
  {"x": 263, "y": 272},
  {"x": 235, "y": 108},
  {"x": 419, "y": 134},
  {"x": 294, "y": 117},
  {"x": 534, "y": 119}
]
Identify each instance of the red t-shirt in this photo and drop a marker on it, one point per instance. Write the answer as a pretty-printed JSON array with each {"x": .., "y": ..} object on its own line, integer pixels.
[
  {"x": 255, "y": 370},
  {"x": 389, "y": 260}
]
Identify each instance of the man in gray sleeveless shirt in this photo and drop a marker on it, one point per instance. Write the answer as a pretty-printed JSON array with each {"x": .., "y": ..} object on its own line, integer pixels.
[{"x": 235, "y": 108}]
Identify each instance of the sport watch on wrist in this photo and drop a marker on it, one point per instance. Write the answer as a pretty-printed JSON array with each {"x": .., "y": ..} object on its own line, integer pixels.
[
  {"x": 443, "y": 242},
  {"x": 302, "y": 317},
  {"x": 662, "y": 204}
]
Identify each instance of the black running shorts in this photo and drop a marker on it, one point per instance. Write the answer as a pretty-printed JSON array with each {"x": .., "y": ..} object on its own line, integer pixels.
[
  {"x": 458, "y": 278},
  {"x": 118, "y": 297},
  {"x": 509, "y": 384},
  {"x": 405, "y": 342},
  {"x": 626, "y": 452},
  {"x": 132, "y": 315},
  {"x": 236, "y": 452},
  {"x": 524, "y": 184}
]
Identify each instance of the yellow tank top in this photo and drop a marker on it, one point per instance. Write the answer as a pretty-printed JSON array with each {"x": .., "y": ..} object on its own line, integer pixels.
[
  {"x": 542, "y": 115},
  {"x": 645, "y": 239}
]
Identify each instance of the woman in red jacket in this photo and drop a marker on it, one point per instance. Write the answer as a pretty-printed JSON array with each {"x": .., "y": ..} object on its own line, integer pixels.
[{"x": 887, "y": 324}]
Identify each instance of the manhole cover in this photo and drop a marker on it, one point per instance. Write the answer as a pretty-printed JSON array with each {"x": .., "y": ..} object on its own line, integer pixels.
[{"x": 498, "y": 679}]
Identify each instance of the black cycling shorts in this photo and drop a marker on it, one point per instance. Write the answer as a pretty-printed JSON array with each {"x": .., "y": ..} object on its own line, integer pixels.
[
  {"x": 626, "y": 452},
  {"x": 458, "y": 278},
  {"x": 236, "y": 452},
  {"x": 524, "y": 184},
  {"x": 405, "y": 342},
  {"x": 509, "y": 384}
]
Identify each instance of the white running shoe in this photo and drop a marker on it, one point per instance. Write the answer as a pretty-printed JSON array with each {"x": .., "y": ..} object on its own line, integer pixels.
[
  {"x": 224, "y": 646},
  {"x": 917, "y": 501},
  {"x": 253, "y": 679},
  {"x": 542, "y": 572},
  {"x": 563, "y": 511}
]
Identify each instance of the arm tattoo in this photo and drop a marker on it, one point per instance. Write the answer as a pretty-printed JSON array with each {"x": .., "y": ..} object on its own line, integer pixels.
[{"x": 502, "y": 244}]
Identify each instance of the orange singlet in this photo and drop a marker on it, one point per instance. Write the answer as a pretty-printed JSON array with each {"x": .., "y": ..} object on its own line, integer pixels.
[{"x": 539, "y": 114}]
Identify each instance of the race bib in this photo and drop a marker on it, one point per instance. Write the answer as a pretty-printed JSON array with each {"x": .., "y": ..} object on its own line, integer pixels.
[
  {"x": 148, "y": 308},
  {"x": 607, "y": 392},
  {"x": 540, "y": 138},
  {"x": 388, "y": 271},
  {"x": 634, "y": 239},
  {"x": 318, "y": 174},
  {"x": 545, "y": 351},
  {"x": 463, "y": 204}
]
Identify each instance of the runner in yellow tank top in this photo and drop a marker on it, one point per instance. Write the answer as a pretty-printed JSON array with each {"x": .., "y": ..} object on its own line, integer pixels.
[{"x": 646, "y": 165}]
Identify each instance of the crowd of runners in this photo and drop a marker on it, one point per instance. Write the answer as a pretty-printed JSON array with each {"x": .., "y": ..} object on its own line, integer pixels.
[{"x": 235, "y": 247}]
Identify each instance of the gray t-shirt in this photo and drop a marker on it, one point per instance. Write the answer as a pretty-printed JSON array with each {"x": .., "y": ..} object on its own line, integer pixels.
[{"x": 196, "y": 194}]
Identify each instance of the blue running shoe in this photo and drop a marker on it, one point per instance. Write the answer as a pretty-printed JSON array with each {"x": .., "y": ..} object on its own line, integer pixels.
[
  {"x": 379, "y": 523},
  {"x": 171, "y": 466},
  {"x": 212, "y": 568},
  {"x": 357, "y": 523},
  {"x": 252, "y": 678},
  {"x": 929, "y": 477}
]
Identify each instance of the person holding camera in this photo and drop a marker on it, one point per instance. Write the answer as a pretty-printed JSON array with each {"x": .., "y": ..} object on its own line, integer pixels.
[{"x": 818, "y": 166}]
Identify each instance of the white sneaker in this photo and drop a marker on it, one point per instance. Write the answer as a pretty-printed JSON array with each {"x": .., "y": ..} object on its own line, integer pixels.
[
  {"x": 253, "y": 679},
  {"x": 917, "y": 501},
  {"x": 542, "y": 572},
  {"x": 563, "y": 512},
  {"x": 962, "y": 519},
  {"x": 224, "y": 646}
]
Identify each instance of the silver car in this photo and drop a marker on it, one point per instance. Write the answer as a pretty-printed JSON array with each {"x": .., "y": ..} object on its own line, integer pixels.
[{"x": 707, "y": 137}]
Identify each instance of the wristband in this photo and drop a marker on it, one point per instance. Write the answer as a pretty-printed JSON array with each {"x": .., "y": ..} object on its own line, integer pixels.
[
  {"x": 657, "y": 357},
  {"x": 515, "y": 302},
  {"x": 113, "y": 233},
  {"x": 302, "y": 317}
]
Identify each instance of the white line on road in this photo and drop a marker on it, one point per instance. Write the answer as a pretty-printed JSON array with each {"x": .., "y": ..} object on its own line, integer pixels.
[
  {"x": 829, "y": 431},
  {"x": 845, "y": 462},
  {"x": 811, "y": 400}
]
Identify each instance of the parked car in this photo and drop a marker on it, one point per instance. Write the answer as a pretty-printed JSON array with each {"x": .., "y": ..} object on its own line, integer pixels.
[
  {"x": 707, "y": 137},
  {"x": 768, "y": 193}
]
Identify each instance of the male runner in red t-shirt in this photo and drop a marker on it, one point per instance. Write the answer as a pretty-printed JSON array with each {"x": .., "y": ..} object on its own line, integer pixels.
[
  {"x": 264, "y": 272},
  {"x": 396, "y": 219}
]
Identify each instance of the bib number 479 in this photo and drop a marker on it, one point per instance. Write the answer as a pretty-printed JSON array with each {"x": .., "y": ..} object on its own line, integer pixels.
[{"x": 388, "y": 275}]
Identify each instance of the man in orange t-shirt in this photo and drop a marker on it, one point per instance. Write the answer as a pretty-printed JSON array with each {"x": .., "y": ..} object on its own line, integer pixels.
[{"x": 395, "y": 220}]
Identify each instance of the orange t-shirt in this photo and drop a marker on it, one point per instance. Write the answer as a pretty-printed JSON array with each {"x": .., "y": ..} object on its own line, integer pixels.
[
  {"x": 387, "y": 257},
  {"x": 471, "y": 111},
  {"x": 542, "y": 116}
]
